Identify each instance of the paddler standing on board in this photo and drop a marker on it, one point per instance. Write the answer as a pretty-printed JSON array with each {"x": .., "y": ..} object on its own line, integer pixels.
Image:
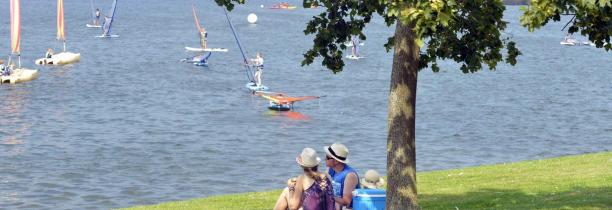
[
  {"x": 203, "y": 35},
  {"x": 258, "y": 62},
  {"x": 97, "y": 20},
  {"x": 355, "y": 43}
]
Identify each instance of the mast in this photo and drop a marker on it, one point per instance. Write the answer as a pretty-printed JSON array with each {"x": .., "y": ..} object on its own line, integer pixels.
[
  {"x": 93, "y": 13},
  {"x": 246, "y": 63},
  {"x": 15, "y": 29}
]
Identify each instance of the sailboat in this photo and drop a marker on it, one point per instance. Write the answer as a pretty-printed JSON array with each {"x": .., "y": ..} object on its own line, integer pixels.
[
  {"x": 199, "y": 28},
  {"x": 251, "y": 85},
  {"x": 108, "y": 22},
  {"x": 12, "y": 74},
  {"x": 95, "y": 19},
  {"x": 63, "y": 57}
]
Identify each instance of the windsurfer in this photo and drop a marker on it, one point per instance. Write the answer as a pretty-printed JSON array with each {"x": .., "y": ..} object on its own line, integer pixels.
[
  {"x": 203, "y": 36},
  {"x": 355, "y": 48},
  {"x": 258, "y": 62}
]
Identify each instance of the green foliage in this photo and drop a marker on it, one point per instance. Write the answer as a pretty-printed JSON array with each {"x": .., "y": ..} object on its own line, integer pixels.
[
  {"x": 572, "y": 182},
  {"x": 592, "y": 18},
  {"x": 466, "y": 31}
]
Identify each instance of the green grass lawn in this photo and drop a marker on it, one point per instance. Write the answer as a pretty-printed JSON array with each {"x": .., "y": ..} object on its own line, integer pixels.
[{"x": 571, "y": 182}]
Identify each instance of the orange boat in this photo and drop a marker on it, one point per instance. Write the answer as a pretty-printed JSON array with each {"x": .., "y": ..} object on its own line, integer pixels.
[{"x": 282, "y": 102}]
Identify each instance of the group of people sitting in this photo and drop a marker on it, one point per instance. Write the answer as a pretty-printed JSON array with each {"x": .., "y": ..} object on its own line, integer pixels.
[
  {"x": 5, "y": 70},
  {"x": 330, "y": 190}
]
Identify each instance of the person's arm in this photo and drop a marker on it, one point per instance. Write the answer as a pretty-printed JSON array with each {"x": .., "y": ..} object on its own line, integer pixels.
[
  {"x": 295, "y": 194},
  {"x": 347, "y": 193}
]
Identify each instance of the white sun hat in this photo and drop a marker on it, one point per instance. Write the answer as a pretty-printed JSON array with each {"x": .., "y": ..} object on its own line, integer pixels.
[
  {"x": 308, "y": 158},
  {"x": 337, "y": 151},
  {"x": 372, "y": 180}
]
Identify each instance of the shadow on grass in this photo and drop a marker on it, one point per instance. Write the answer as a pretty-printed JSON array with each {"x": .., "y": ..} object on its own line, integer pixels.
[{"x": 576, "y": 198}]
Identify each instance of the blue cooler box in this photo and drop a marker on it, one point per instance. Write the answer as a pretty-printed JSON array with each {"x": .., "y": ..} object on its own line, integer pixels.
[{"x": 369, "y": 199}]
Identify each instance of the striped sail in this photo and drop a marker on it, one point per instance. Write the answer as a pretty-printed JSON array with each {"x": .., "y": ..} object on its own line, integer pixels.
[
  {"x": 15, "y": 26},
  {"x": 60, "y": 20},
  {"x": 108, "y": 21}
]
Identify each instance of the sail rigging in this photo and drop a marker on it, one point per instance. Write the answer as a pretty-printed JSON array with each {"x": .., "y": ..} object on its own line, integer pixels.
[
  {"x": 15, "y": 26},
  {"x": 248, "y": 70},
  {"x": 93, "y": 13},
  {"x": 108, "y": 20},
  {"x": 197, "y": 19}
]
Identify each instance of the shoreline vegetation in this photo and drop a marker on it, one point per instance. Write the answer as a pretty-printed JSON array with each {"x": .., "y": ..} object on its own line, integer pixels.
[
  {"x": 569, "y": 182},
  {"x": 516, "y": 2}
]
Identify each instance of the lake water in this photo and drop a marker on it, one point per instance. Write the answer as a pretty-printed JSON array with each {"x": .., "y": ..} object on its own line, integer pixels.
[{"x": 130, "y": 125}]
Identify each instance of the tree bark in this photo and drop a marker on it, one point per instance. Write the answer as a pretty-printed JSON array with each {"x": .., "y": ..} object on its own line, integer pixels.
[{"x": 401, "y": 147}]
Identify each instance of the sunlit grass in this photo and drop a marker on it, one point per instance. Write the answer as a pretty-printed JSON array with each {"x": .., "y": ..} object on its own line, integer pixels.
[{"x": 571, "y": 182}]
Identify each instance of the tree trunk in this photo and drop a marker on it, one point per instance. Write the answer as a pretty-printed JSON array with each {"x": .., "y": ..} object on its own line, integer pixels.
[{"x": 401, "y": 147}]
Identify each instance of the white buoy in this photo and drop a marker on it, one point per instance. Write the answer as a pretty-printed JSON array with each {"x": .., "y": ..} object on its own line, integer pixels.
[
  {"x": 261, "y": 6},
  {"x": 252, "y": 18}
]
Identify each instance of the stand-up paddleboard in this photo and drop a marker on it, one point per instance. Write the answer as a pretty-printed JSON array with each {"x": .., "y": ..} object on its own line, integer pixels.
[
  {"x": 107, "y": 36},
  {"x": 92, "y": 26},
  {"x": 108, "y": 23},
  {"x": 198, "y": 49},
  {"x": 253, "y": 87},
  {"x": 350, "y": 44},
  {"x": 354, "y": 57}
]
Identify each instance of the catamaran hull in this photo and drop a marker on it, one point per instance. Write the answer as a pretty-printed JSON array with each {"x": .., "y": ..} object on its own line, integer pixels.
[
  {"x": 20, "y": 75},
  {"x": 62, "y": 58},
  {"x": 253, "y": 87}
]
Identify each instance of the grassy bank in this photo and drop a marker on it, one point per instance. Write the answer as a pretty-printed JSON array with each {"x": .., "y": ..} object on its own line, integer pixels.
[{"x": 571, "y": 182}]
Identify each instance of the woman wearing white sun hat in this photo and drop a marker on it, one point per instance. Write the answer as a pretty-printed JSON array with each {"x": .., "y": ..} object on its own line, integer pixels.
[
  {"x": 310, "y": 191},
  {"x": 344, "y": 178}
]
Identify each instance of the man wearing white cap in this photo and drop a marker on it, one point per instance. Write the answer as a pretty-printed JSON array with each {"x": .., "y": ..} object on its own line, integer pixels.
[{"x": 344, "y": 178}]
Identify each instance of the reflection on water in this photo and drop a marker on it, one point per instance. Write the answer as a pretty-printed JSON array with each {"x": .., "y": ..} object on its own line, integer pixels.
[{"x": 293, "y": 115}]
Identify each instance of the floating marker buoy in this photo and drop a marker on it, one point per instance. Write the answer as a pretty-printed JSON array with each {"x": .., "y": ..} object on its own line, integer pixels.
[
  {"x": 261, "y": 6},
  {"x": 252, "y": 18}
]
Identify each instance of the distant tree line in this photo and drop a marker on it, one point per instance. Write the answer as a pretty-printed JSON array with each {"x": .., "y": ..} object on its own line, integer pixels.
[{"x": 516, "y": 2}]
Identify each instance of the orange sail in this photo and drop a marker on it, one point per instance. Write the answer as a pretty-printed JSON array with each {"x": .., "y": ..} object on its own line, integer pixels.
[
  {"x": 195, "y": 16},
  {"x": 280, "y": 98},
  {"x": 60, "y": 20},
  {"x": 15, "y": 26}
]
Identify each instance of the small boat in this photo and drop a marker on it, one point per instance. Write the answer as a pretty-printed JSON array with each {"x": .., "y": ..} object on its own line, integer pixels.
[
  {"x": 63, "y": 57},
  {"x": 10, "y": 73},
  {"x": 283, "y": 5}
]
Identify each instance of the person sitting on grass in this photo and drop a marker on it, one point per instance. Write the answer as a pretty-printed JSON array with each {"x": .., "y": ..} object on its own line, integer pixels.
[
  {"x": 309, "y": 191},
  {"x": 344, "y": 178}
]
